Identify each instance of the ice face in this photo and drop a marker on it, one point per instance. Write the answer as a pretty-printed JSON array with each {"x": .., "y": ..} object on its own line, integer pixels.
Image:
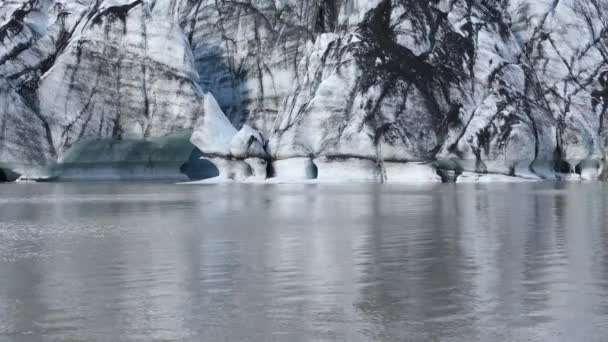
[{"x": 516, "y": 88}]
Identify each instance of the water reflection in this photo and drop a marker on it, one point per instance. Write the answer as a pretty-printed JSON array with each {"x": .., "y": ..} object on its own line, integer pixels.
[{"x": 303, "y": 262}]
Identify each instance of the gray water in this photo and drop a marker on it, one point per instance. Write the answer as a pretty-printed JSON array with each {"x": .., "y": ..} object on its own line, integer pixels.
[{"x": 147, "y": 262}]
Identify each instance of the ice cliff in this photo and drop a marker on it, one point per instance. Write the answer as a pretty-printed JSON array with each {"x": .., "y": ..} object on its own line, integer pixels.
[{"x": 335, "y": 90}]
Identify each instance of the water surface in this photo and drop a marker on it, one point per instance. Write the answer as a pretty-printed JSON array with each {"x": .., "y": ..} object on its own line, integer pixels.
[{"x": 130, "y": 261}]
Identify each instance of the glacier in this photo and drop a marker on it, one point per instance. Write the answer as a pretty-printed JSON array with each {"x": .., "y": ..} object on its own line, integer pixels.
[{"x": 393, "y": 91}]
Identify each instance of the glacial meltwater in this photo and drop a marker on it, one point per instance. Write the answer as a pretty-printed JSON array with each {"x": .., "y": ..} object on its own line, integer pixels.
[{"x": 355, "y": 262}]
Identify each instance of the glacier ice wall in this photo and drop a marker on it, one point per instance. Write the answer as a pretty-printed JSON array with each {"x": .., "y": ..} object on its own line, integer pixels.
[{"x": 311, "y": 87}]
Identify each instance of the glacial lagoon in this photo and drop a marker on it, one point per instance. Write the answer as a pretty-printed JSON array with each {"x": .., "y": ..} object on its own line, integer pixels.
[{"x": 356, "y": 262}]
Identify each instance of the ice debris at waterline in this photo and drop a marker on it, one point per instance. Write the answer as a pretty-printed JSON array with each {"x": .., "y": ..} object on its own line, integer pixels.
[{"x": 304, "y": 90}]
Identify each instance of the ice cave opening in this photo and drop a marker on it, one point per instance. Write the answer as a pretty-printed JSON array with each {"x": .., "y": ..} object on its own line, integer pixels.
[
  {"x": 564, "y": 167},
  {"x": 270, "y": 172},
  {"x": 7, "y": 175},
  {"x": 314, "y": 170},
  {"x": 197, "y": 168}
]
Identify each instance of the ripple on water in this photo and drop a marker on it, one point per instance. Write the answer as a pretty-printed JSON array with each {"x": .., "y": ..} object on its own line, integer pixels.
[{"x": 355, "y": 263}]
